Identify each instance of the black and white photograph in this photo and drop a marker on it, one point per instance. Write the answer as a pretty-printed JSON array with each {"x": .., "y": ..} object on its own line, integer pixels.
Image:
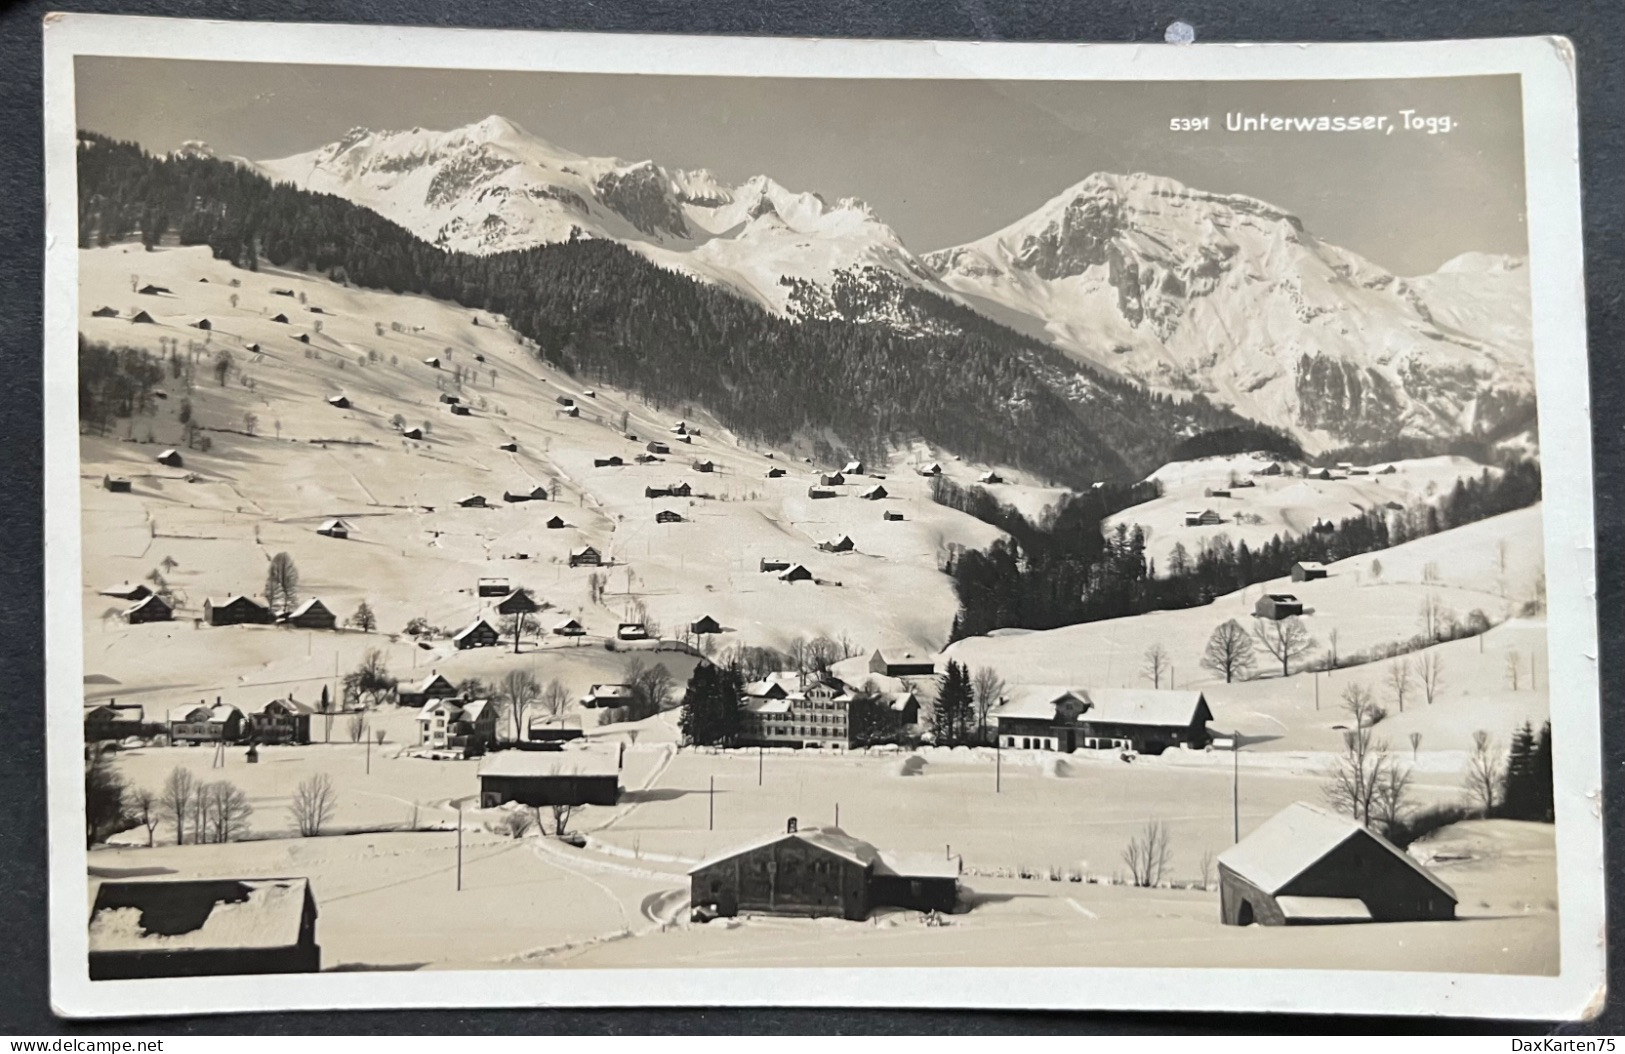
[{"x": 599, "y": 520}]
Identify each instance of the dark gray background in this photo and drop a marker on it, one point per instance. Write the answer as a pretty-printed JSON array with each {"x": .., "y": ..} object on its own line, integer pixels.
[{"x": 1597, "y": 28}]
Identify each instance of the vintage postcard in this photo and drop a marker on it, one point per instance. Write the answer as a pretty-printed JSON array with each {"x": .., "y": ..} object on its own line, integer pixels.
[{"x": 549, "y": 519}]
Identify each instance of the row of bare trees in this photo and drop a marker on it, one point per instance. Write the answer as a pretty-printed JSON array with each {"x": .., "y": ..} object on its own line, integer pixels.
[{"x": 212, "y": 811}]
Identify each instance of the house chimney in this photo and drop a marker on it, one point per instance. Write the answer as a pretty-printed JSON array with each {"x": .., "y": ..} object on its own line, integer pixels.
[{"x": 790, "y": 828}]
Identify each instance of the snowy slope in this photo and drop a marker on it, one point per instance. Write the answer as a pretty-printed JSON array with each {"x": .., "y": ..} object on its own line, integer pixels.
[
  {"x": 1231, "y": 296},
  {"x": 492, "y": 187}
]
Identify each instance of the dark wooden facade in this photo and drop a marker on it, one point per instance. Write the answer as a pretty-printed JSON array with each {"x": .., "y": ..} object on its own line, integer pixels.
[
  {"x": 280, "y": 722},
  {"x": 479, "y": 635},
  {"x": 313, "y": 615},
  {"x": 563, "y": 789},
  {"x": 788, "y": 877},
  {"x": 175, "y": 908},
  {"x": 236, "y": 611},
  {"x": 1359, "y": 869},
  {"x": 1278, "y": 606},
  {"x": 150, "y": 609}
]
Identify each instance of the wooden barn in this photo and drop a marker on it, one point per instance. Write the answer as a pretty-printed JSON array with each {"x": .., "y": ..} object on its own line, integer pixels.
[
  {"x": 775, "y": 472},
  {"x": 212, "y": 927},
  {"x": 450, "y": 400},
  {"x": 312, "y": 614},
  {"x": 657, "y": 447},
  {"x": 281, "y": 721},
  {"x": 478, "y": 634},
  {"x": 492, "y": 587},
  {"x": 564, "y": 400},
  {"x": 540, "y": 778},
  {"x": 432, "y": 362},
  {"x": 843, "y": 544},
  {"x": 341, "y": 402},
  {"x": 236, "y": 611},
  {"x": 1271, "y": 469},
  {"x": 335, "y": 529},
  {"x": 705, "y": 465},
  {"x": 796, "y": 573},
  {"x": 1309, "y": 866},
  {"x": 612, "y": 461},
  {"x": 1277, "y": 606},
  {"x": 853, "y": 468},
  {"x": 459, "y": 410},
  {"x": 172, "y": 458},
  {"x": 433, "y": 687},
  {"x": 1308, "y": 571},
  {"x": 569, "y": 628},
  {"x": 890, "y": 514},
  {"x": 768, "y": 563},
  {"x": 116, "y": 484},
  {"x": 584, "y": 556},
  {"x": 113, "y": 720},
  {"x": 902, "y": 664},
  {"x": 932, "y": 469},
  {"x": 874, "y": 493},
  {"x": 280, "y": 318},
  {"x": 668, "y": 516},
  {"x": 538, "y": 493},
  {"x": 542, "y": 729},
  {"x": 221, "y": 722},
  {"x": 142, "y": 318},
  {"x": 832, "y": 479},
  {"x": 990, "y": 477},
  {"x": 154, "y": 290},
  {"x": 1202, "y": 518},
  {"x": 820, "y": 492},
  {"x": 412, "y": 433},
  {"x": 705, "y": 624},
  {"x": 105, "y": 312},
  {"x": 473, "y": 501},
  {"x": 821, "y": 872},
  {"x": 631, "y": 631},
  {"x": 513, "y": 499},
  {"x": 150, "y": 609},
  {"x": 556, "y": 523},
  {"x": 1143, "y": 720},
  {"x": 607, "y": 695}
]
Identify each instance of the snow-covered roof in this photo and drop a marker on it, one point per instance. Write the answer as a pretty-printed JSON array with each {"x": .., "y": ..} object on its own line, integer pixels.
[
  {"x": 830, "y": 839},
  {"x": 609, "y": 691},
  {"x": 794, "y": 569},
  {"x": 1121, "y": 706},
  {"x": 126, "y": 591},
  {"x": 218, "y": 714},
  {"x": 293, "y": 705},
  {"x": 145, "y": 602},
  {"x": 568, "y": 623},
  {"x": 435, "y": 706},
  {"x": 341, "y": 525},
  {"x": 1311, "y": 565},
  {"x": 582, "y": 550},
  {"x": 764, "y": 705},
  {"x": 430, "y": 681},
  {"x": 134, "y": 713},
  {"x": 474, "y": 709},
  {"x": 1294, "y": 839},
  {"x": 229, "y": 913},
  {"x": 171, "y": 452},
  {"x": 471, "y": 627},
  {"x": 307, "y": 606},
  {"x": 548, "y": 763},
  {"x": 916, "y": 865}
]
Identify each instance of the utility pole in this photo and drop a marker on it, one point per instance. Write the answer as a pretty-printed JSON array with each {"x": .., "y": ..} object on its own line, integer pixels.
[
  {"x": 837, "y": 814},
  {"x": 760, "y": 750},
  {"x": 998, "y": 764},
  {"x": 1317, "y": 689},
  {"x": 711, "y": 806},
  {"x": 366, "y": 730},
  {"x": 459, "y": 845},
  {"x": 1235, "y": 786}
]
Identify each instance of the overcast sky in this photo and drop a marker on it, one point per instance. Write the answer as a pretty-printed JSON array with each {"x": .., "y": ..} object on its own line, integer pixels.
[{"x": 943, "y": 162}]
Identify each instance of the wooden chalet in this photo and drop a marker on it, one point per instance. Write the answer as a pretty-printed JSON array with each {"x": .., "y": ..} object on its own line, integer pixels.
[
  {"x": 853, "y": 468},
  {"x": 821, "y": 872},
  {"x": 704, "y": 624},
  {"x": 459, "y": 410},
  {"x": 607, "y": 696},
  {"x": 281, "y": 721},
  {"x": 113, "y": 720},
  {"x": 1271, "y": 469},
  {"x": 149, "y": 609},
  {"x": 236, "y": 611},
  {"x": 820, "y": 492},
  {"x": 142, "y": 318},
  {"x": 932, "y": 469},
  {"x": 335, "y": 528},
  {"x": 569, "y": 628},
  {"x": 832, "y": 479},
  {"x": 513, "y": 498},
  {"x": 538, "y": 492},
  {"x": 705, "y": 465},
  {"x": 586, "y": 556},
  {"x": 477, "y": 634},
  {"x": 843, "y": 544},
  {"x": 1143, "y": 720},
  {"x": 340, "y": 402},
  {"x": 775, "y": 472},
  {"x": 312, "y": 614},
  {"x": 116, "y": 484},
  {"x": 1309, "y": 866},
  {"x": 210, "y": 927},
  {"x": 668, "y": 516},
  {"x": 796, "y": 573},
  {"x": 655, "y": 446},
  {"x": 473, "y": 501},
  {"x": 172, "y": 458},
  {"x": 220, "y": 723},
  {"x": 891, "y": 514},
  {"x": 1308, "y": 571},
  {"x": 105, "y": 312},
  {"x": 542, "y": 778},
  {"x": 1202, "y": 518},
  {"x": 874, "y": 493},
  {"x": 631, "y": 631},
  {"x": 555, "y": 523},
  {"x": 433, "y": 687},
  {"x": 990, "y": 477},
  {"x": 612, "y": 461},
  {"x": 1277, "y": 606}
]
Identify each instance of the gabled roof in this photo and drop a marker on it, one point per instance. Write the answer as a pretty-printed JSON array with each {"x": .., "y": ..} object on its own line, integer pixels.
[
  {"x": 146, "y": 602},
  {"x": 569, "y": 623},
  {"x": 609, "y": 691},
  {"x": 1295, "y": 839},
  {"x": 474, "y": 709},
  {"x": 218, "y": 714},
  {"x": 310, "y": 605},
  {"x": 1121, "y": 706},
  {"x": 150, "y": 915},
  {"x": 583, "y": 550},
  {"x": 432, "y": 680},
  {"x": 471, "y": 627},
  {"x": 1311, "y": 565},
  {"x": 291, "y": 705},
  {"x": 830, "y": 839},
  {"x": 133, "y": 713},
  {"x": 336, "y": 525},
  {"x": 523, "y": 763}
]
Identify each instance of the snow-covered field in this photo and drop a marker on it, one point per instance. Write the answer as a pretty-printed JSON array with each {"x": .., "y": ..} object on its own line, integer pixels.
[{"x": 387, "y": 891}]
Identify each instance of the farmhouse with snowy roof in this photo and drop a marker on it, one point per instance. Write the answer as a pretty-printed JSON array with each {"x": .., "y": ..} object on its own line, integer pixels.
[
  {"x": 538, "y": 778},
  {"x": 821, "y": 872},
  {"x": 607, "y": 695},
  {"x": 203, "y": 928},
  {"x": 335, "y": 529},
  {"x": 434, "y": 686},
  {"x": 1144, "y": 720},
  {"x": 477, "y": 634},
  {"x": 280, "y": 721},
  {"x": 1308, "y": 570},
  {"x": 1308, "y": 865},
  {"x": 1277, "y": 606},
  {"x": 149, "y": 609},
  {"x": 585, "y": 556},
  {"x": 236, "y": 611}
]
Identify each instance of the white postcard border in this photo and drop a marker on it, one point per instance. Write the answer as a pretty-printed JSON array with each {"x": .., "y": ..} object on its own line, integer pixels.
[{"x": 1552, "y": 165}]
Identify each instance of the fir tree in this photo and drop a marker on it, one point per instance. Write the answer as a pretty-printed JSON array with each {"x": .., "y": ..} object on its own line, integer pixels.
[
  {"x": 954, "y": 714},
  {"x": 711, "y": 706}
]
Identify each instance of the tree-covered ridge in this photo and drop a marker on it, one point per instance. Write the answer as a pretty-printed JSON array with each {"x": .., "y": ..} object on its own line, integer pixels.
[
  {"x": 601, "y": 311},
  {"x": 1058, "y": 579}
]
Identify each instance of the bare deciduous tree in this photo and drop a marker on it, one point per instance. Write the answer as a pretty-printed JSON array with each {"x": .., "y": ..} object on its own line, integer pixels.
[
  {"x": 313, "y": 805},
  {"x": 175, "y": 800},
  {"x": 1147, "y": 854},
  {"x": 1430, "y": 673},
  {"x": 226, "y": 811},
  {"x": 1399, "y": 677},
  {"x": 1154, "y": 664},
  {"x": 555, "y": 697},
  {"x": 989, "y": 688},
  {"x": 519, "y": 692},
  {"x": 561, "y": 819},
  {"x": 1484, "y": 765},
  {"x": 144, "y": 807},
  {"x": 1207, "y": 868},
  {"x": 1431, "y": 616},
  {"x": 1286, "y": 639},
  {"x": 1230, "y": 651}
]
